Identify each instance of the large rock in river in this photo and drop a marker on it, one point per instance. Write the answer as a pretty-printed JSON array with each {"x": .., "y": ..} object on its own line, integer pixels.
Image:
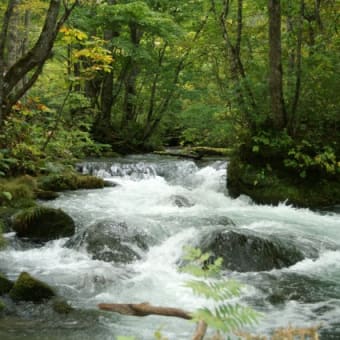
[
  {"x": 28, "y": 288},
  {"x": 5, "y": 285},
  {"x": 244, "y": 251},
  {"x": 111, "y": 242},
  {"x": 43, "y": 224}
]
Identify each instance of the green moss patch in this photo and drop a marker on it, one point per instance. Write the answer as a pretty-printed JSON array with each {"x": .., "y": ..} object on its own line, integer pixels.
[
  {"x": 61, "y": 306},
  {"x": 267, "y": 186},
  {"x": 43, "y": 224},
  {"x": 27, "y": 288},
  {"x": 69, "y": 181}
]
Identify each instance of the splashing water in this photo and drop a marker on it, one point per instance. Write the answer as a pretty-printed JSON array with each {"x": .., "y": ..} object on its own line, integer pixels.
[{"x": 148, "y": 187}]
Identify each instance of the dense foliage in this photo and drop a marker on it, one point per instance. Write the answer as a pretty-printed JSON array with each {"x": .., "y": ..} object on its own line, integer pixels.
[{"x": 131, "y": 76}]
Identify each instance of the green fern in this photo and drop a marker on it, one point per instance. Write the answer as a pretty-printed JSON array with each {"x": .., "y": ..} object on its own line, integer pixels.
[{"x": 225, "y": 316}]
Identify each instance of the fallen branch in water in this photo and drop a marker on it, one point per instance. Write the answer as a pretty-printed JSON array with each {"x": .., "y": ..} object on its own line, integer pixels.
[
  {"x": 182, "y": 154},
  {"x": 145, "y": 309}
]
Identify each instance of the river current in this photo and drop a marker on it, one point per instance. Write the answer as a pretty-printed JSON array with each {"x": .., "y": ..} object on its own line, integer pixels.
[{"x": 302, "y": 295}]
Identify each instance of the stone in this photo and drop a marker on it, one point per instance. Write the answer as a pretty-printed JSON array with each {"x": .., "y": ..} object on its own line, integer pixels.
[
  {"x": 244, "y": 251},
  {"x": 46, "y": 195},
  {"x": 111, "y": 242},
  {"x": 181, "y": 201},
  {"x": 5, "y": 285},
  {"x": 28, "y": 288},
  {"x": 61, "y": 306},
  {"x": 69, "y": 181},
  {"x": 43, "y": 224}
]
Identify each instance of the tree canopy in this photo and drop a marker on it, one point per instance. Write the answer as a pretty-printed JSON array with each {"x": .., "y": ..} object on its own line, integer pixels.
[{"x": 89, "y": 77}]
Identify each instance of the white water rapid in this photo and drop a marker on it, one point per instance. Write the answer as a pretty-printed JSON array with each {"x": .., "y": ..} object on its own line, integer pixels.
[{"x": 146, "y": 198}]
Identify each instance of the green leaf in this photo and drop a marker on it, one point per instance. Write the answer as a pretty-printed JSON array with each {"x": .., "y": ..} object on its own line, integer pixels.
[{"x": 7, "y": 195}]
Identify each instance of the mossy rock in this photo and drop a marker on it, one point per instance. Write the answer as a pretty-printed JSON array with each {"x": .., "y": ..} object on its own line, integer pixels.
[
  {"x": 246, "y": 251},
  {"x": 2, "y": 240},
  {"x": 46, "y": 195},
  {"x": 210, "y": 151},
  {"x": 2, "y": 306},
  {"x": 43, "y": 224},
  {"x": 271, "y": 186},
  {"x": 61, "y": 306},
  {"x": 28, "y": 288},
  {"x": 69, "y": 181},
  {"x": 5, "y": 285},
  {"x": 89, "y": 182}
]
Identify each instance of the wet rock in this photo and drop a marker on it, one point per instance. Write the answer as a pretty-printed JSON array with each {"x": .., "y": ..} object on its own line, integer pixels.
[
  {"x": 2, "y": 306},
  {"x": 46, "y": 195},
  {"x": 298, "y": 287},
  {"x": 110, "y": 184},
  {"x": 43, "y": 224},
  {"x": 61, "y": 306},
  {"x": 28, "y": 288},
  {"x": 5, "y": 285},
  {"x": 244, "y": 251},
  {"x": 181, "y": 201},
  {"x": 111, "y": 242},
  {"x": 69, "y": 181}
]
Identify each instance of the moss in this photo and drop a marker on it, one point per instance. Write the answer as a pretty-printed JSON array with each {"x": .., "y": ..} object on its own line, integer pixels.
[
  {"x": 58, "y": 182},
  {"x": 267, "y": 186},
  {"x": 2, "y": 306},
  {"x": 89, "y": 182},
  {"x": 18, "y": 192},
  {"x": 209, "y": 151},
  {"x": 28, "y": 288},
  {"x": 5, "y": 285},
  {"x": 61, "y": 306},
  {"x": 46, "y": 195},
  {"x": 69, "y": 181},
  {"x": 2, "y": 240},
  {"x": 43, "y": 224}
]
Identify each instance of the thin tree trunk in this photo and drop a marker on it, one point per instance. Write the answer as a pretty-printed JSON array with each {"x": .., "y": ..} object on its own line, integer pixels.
[
  {"x": 297, "y": 68},
  {"x": 40, "y": 52},
  {"x": 277, "y": 106},
  {"x": 3, "y": 39}
]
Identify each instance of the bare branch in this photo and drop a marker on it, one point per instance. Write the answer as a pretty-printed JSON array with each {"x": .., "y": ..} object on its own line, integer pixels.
[{"x": 145, "y": 309}]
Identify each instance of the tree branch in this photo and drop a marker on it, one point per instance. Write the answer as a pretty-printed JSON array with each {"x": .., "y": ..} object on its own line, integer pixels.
[{"x": 145, "y": 309}]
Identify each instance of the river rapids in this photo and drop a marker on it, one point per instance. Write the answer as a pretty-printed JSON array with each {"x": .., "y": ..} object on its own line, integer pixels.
[{"x": 302, "y": 295}]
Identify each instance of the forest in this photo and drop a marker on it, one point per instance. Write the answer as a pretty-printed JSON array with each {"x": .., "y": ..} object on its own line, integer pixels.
[
  {"x": 95, "y": 78},
  {"x": 254, "y": 83}
]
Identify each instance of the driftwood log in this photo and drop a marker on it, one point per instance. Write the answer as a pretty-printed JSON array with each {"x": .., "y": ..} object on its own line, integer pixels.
[
  {"x": 182, "y": 154},
  {"x": 145, "y": 309}
]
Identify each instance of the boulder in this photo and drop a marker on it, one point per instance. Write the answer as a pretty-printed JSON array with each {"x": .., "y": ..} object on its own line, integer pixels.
[
  {"x": 69, "y": 181},
  {"x": 181, "y": 201},
  {"x": 5, "y": 285},
  {"x": 27, "y": 288},
  {"x": 244, "y": 251},
  {"x": 111, "y": 242},
  {"x": 46, "y": 195},
  {"x": 61, "y": 306},
  {"x": 43, "y": 224},
  {"x": 110, "y": 184}
]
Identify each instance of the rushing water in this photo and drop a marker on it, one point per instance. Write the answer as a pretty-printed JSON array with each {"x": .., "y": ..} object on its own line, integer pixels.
[{"x": 305, "y": 294}]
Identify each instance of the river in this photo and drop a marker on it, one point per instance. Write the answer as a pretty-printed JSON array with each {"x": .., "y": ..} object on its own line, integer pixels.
[{"x": 302, "y": 295}]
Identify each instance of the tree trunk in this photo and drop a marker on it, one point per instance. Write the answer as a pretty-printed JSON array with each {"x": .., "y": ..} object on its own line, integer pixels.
[
  {"x": 129, "y": 105},
  {"x": 277, "y": 106},
  {"x": 3, "y": 38},
  {"x": 33, "y": 60}
]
